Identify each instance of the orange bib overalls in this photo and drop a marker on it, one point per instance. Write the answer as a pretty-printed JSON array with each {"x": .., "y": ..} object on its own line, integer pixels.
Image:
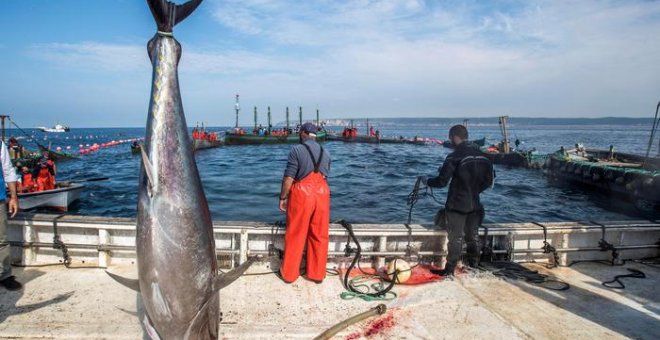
[{"x": 307, "y": 222}]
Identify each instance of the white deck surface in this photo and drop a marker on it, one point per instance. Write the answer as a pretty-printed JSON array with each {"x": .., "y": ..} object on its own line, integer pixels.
[{"x": 264, "y": 307}]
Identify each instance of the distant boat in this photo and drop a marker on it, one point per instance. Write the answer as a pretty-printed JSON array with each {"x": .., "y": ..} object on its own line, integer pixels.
[
  {"x": 56, "y": 156},
  {"x": 205, "y": 140},
  {"x": 59, "y": 198},
  {"x": 234, "y": 138},
  {"x": 200, "y": 144},
  {"x": 56, "y": 128},
  {"x": 477, "y": 142}
]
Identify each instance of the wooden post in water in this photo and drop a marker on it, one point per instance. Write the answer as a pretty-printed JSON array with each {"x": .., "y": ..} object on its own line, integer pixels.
[
  {"x": 269, "y": 125},
  {"x": 255, "y": 118},
  {"x": 300, "y": 115},
  {"x": 505, "y": 134}
]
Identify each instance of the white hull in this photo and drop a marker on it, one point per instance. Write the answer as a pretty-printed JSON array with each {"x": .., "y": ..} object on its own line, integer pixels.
[{"x": 58, "y": 199}]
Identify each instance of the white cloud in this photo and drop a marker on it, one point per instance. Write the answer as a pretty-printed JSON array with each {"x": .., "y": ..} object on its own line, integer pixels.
[{"x": 525, "y": 58}]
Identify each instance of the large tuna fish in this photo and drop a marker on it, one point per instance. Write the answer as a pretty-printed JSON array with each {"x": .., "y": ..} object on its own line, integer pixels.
[{"x": 177, "y": 265}]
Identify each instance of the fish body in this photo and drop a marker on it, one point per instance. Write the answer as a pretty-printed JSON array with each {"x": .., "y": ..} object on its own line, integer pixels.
[{"x": 177, "y": 263}]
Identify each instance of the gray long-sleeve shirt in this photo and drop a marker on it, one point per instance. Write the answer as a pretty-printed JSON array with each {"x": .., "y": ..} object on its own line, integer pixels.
[{"x": 300, "y": 164}]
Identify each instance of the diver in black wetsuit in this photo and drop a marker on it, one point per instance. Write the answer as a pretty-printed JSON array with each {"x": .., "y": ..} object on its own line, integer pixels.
[{"x": 470, "y": 173}]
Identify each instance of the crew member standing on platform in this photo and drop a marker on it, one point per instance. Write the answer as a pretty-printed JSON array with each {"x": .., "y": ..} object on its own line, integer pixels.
[
  {"x": 470, "y": 173},
  {"x": 305, "y": 197},
  {"x": 9, "y": 179}
]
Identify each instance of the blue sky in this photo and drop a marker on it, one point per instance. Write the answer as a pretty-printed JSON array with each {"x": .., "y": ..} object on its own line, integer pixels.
[{"x": 84, "y": 63}]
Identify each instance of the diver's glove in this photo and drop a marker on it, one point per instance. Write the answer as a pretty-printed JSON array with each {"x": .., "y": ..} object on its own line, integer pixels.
[{"x": 423, "y": 179}]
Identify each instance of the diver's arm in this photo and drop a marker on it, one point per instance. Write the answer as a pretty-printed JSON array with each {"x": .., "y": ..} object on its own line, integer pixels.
[{"x": 446, "y": 171}]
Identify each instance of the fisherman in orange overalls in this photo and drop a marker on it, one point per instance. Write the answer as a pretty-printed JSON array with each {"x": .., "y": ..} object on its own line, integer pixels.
[
  {"x": 305, "y": 197},
  {"x": 45, "y": 176},
  {"x": 27, "y": 182}
]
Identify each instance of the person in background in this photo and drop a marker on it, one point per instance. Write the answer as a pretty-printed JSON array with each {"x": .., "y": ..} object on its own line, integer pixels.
[
  {"x": 9, "y": 179},
  {"x": 305, "y": 197},
  {"x": 44, "y": 175},
  {"x": 27, "y": 181},
  {"x": 470, "y": 173}
]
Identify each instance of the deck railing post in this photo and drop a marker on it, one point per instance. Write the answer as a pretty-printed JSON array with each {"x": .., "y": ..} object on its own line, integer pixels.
[
  {"x": 563, "y": 257},
  {"x": 619, "y": 260},
  {"x": 243, "y": 247},
  {"x": 104, "y": 255},
  {"x": 382, "y": 246},
  {"x": 29, "y": 254}
]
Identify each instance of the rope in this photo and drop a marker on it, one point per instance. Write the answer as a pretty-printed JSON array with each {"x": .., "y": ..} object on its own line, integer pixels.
[
  {"x": 634, "y": 273},
  {"x": 515, "y": 271}
]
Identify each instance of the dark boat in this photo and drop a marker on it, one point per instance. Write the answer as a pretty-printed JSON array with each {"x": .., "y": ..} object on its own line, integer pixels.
[
  {"x": 373, "y": 139},
  {"x": 234, "y": 138},
  {"x": 201, "y": 144},
  {"x": 56, "y": 156},
  {"x": 135, "y": 148},
  {"x": 629, "y": 176},
  {"x": 478, "y": 142}
]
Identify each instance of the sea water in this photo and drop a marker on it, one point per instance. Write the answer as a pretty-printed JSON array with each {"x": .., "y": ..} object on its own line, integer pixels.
[{"x": 370, "y": 183}]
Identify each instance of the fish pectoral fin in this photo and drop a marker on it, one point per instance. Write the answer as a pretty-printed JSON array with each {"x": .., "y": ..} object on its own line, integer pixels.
[
  {"x": 130, "y": 283},
  {"x": 148, "y": 168},
  {"x": 221, "y": 281},
  {"x": 226, "y": 279},
  {"x": 199, "y": 321}
]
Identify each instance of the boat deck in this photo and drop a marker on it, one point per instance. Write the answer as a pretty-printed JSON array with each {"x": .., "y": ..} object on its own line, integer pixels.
[{"x": 470, "y": 306}]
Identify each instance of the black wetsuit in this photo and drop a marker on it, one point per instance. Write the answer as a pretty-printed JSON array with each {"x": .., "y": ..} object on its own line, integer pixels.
[{"x": 470, "y": 173}]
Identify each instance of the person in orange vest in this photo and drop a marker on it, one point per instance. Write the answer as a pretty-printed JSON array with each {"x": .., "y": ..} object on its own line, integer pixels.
[
  {"x": 305, "y": 197},
  {"x": 27, "y": 182},
  {"x": 51, "y": 165},
  {"x": 44, "y": 175}
]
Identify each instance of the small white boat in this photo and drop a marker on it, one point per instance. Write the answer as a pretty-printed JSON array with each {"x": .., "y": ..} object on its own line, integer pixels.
[
  {"x": 59, "y": 198},
  {"x": 56, "y": 128}
]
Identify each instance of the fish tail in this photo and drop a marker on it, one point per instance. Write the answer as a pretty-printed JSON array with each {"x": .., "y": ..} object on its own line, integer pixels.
[{"x": 167, "y": 14}]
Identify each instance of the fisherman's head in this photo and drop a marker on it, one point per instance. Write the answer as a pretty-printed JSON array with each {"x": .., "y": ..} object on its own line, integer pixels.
[
  {"x": 458, "y": 134},
  {"x": 25, "y": 169},
  {"x": 45, "y": 154},
  {"x": 307, "y": 131}
]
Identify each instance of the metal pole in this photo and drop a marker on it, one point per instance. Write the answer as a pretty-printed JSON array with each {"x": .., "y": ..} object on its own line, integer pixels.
[
  {"x": 318, "y": 121},
  {"x": 287, "y": 119},
  {"x": 269, "y": 125},
  {"x": 255, "y": 118},
  {"x": 300, "y": 115},
  {"x": 238, "y": 108}
]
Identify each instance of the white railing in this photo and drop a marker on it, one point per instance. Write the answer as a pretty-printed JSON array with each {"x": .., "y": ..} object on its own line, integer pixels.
[{"x": 102, "y": 241}]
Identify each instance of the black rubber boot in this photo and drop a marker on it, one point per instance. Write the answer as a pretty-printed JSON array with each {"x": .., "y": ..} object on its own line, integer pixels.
[
  {"x": 448, "y": 271},
  {"x": 11, "y": 284}
]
